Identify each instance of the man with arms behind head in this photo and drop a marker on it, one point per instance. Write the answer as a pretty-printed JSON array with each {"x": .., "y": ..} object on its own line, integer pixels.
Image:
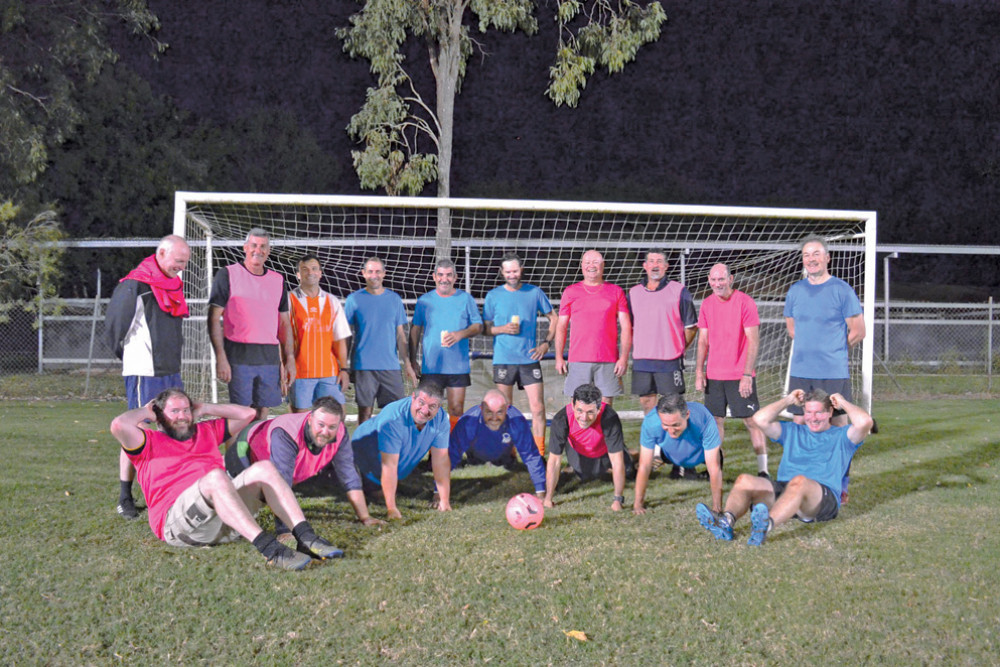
[
  {"x": 389, "y": 446},
  {"x": 815, "y": 458},
  {"x": 378, "y": 317},
  {"x": 302, "y": 446},
  {"x": 192, "y": 501},
  {"x": 249, "y": 328},
  {"x": 143, "y": 325},
  {"x": 591, "y": 312},
  {"x": 685, "y": 434},
  {"x": 729, "y": 337},
  {"x": 320, "y": 330},
  {"x": 490, "y": 433},
  {"x": 444, "y": 320},
  {"x": 590, "y": 433},
  {"x": 509, "y": 314}
]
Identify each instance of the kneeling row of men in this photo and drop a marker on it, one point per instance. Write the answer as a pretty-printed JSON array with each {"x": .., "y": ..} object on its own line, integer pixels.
[{"x": 192, "y": 501}]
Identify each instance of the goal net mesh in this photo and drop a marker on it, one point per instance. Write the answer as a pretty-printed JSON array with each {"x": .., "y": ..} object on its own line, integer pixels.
[{"x": 760, "y": 246}]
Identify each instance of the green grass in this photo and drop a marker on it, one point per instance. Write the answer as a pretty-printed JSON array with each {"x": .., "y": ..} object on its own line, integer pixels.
[{"x": 906, "y": 575}]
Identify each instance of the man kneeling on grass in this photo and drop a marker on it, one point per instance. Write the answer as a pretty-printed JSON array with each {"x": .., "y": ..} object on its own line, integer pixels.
[
  {"x": 816, "y": 456},
  {"x": 192, "y": 501}
]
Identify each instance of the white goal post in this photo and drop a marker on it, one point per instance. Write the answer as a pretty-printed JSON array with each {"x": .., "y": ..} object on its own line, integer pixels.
[{"x": 760, "y": 245}]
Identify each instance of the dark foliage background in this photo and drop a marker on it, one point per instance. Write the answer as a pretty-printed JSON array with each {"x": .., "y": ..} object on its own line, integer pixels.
[{"x": 859, "y": 104}]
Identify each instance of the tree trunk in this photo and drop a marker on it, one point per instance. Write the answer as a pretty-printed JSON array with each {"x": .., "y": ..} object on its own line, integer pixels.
[{"x": 449, "y": 60}]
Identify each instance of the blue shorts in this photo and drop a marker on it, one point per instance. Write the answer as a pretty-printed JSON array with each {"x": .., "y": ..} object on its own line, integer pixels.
[
  {"x": 140, "y": 390},
  {"x": 255, "y": 386},
  {"x": 306, "y": 390}
]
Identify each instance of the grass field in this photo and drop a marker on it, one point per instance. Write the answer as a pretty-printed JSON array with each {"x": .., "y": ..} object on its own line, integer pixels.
[{"x": 906, "y": 575}]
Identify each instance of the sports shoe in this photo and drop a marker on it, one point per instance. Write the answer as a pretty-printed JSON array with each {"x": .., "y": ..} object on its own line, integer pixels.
[
  {"x": 714, "y": 523},
  {"x": 760, "y": 523},
  {"x": 126, "y": 509},
  {"x": 287, "y": 559},
  {"x": 318, "y": 548}
]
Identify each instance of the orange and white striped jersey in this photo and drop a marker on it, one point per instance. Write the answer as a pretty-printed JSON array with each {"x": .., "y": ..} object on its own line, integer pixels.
[{"x": 317, "y": 322}]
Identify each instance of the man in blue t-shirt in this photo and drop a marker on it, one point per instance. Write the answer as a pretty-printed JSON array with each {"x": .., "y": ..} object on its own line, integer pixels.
[
  {"x": 816, "y": 456},
  {"x": 490, "y": 432},
  {"x": 444, "y": 320},
  {"x": 686, "y": 435},
  {"x": 378, "y": 317},
  {"x": 389, "y": 446},
  {"x": 509, "y": 313}
]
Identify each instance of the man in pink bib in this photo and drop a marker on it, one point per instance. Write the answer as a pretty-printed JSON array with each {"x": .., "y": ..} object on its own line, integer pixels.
[{"x": 248, "y": 324}]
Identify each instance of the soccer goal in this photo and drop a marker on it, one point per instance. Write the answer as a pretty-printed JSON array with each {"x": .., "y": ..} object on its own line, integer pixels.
[{"x": 760, "y": 245}]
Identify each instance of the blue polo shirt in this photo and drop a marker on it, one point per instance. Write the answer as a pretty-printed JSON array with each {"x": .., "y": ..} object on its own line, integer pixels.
[
  {"x": 688, "y": 450},
  {"x": 393, "y": 431}
]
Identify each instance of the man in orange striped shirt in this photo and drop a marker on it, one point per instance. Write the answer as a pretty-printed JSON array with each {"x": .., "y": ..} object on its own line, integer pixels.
[{"x": 321, "y": 332}]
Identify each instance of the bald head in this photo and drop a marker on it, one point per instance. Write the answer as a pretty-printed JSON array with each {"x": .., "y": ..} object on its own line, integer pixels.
[
  {"x": 172, "y": 255},
  {"x": 721, "y": 281},
  {"x": 494, "y": 409}
]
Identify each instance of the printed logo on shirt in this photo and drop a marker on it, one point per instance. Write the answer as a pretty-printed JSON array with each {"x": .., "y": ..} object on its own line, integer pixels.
[{"x": 506, "y": 438}]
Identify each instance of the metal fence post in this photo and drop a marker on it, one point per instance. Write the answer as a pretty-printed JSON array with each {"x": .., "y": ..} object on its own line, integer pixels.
[{"x": 989, "y": 345}]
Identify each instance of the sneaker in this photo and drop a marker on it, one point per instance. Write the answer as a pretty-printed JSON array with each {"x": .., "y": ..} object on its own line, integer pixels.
[
  {"x": 692, "y": 475},
  {"x": 714, "y": 523},
  {"x": 763, "y": 475},
  {"x": 318, "y": 548},
  {"x": 676, "y": 472},
  {"x": 760, "y": 523},
  {"x": 288, "y": 559},
  {"x": 126, "y": 509}
]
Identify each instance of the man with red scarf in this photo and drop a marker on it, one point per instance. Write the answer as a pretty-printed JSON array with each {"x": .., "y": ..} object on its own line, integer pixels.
[{"x": 143, "y": 327}]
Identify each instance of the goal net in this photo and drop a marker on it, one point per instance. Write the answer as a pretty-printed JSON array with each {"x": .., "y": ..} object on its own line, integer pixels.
[{"x": 760, "y": 246}]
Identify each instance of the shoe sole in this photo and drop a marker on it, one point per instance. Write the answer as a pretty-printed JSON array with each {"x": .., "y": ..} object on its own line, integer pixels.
[
  {"x": 291, "y": 566},
  {"x": 758, "y": 525},
  {"x": 708, "y": 521},
  {"x": 123, "y": 514}
]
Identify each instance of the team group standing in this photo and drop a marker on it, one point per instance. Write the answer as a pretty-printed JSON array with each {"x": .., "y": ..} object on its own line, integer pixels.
[{"x": 269, "y": 342}]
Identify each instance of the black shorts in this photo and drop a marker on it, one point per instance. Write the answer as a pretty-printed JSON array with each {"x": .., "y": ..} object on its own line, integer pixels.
[
  {"x": 446, "y": 381},
  {"x": 840, "y": 386},
  {"x": 828, "y": 506},
  {"x": 722, "y": 393},
  {"x": 519, "y": 374},
  {"x": 587, "y": 468},
  {"x": 646, "y": 383}
]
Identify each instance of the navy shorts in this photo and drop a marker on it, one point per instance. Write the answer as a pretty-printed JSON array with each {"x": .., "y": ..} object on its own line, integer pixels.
[
  {"x": 140, "y": 390},
  {"x": 446, "y": 381},
  {"x": 840, "y": 386},
  {"x": 255, "y": 386}
]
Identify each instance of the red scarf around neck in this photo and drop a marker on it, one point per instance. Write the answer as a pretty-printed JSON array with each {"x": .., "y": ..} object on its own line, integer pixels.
[{"x": 169, "y": 292}]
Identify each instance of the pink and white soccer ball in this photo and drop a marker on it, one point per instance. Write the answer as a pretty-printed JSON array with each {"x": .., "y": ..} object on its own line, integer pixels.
[{"x": 525, "y": 511}]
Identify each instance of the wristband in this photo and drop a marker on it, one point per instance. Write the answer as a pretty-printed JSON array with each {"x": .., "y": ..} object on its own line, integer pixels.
[{"x": 618, "y": 499}]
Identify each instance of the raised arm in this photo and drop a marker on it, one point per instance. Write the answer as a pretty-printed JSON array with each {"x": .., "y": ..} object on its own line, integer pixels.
[
  {"x": 861, "y": 421},
  {"x": 767, "y": 417}
]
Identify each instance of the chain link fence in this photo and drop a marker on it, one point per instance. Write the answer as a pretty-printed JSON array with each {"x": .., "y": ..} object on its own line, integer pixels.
[{"x": 927, "y": 348}]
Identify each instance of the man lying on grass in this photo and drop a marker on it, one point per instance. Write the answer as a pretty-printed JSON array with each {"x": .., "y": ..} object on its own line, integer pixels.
[
  {"x": 192, "y": 501},
  {"x": 816, "y": 456}
]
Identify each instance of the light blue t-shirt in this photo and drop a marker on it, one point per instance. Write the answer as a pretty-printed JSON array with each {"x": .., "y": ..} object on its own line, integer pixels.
[
  {"x": 436, "y": 313},
  {"x": 688, "y": 450},
  {"x": 500, "y": 304},
  {"x": 822, "y": 457},
  {"x": 472, "y": 434},
  {"x": 375, "y": 318},
  {"x": 820, "y": 347},
  {"x": 393, "y": 431}
]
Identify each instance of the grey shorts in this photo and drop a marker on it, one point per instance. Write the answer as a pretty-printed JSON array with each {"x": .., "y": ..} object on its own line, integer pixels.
[
  {"x": 601, "y": 374},
  {"x": 384, "y": 386},
  {"x": 192, "y": 522}
]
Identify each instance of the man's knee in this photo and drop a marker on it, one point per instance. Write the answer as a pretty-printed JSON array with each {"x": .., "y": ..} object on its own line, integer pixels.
[
  {"x": 747, "y": 482},
  {"x": 215, "y": 482}
]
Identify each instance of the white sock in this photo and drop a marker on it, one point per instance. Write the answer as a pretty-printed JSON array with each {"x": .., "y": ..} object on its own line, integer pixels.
[{"x": 762, "y": 462}]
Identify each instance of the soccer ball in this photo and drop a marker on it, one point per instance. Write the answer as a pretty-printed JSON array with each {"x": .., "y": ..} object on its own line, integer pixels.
[{"x": 525, "y": 511}]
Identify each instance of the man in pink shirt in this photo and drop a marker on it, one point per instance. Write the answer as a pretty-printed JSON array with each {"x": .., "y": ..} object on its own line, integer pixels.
[
  {"x": 728, "y": 338},
  {"x": 592, "y": 312}
]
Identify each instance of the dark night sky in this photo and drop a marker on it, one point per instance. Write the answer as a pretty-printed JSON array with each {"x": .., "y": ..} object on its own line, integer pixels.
[{"x": 871, "y": 104}]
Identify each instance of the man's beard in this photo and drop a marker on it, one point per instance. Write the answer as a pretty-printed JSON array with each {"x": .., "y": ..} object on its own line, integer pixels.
[{"x": 181, "y": 434}]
